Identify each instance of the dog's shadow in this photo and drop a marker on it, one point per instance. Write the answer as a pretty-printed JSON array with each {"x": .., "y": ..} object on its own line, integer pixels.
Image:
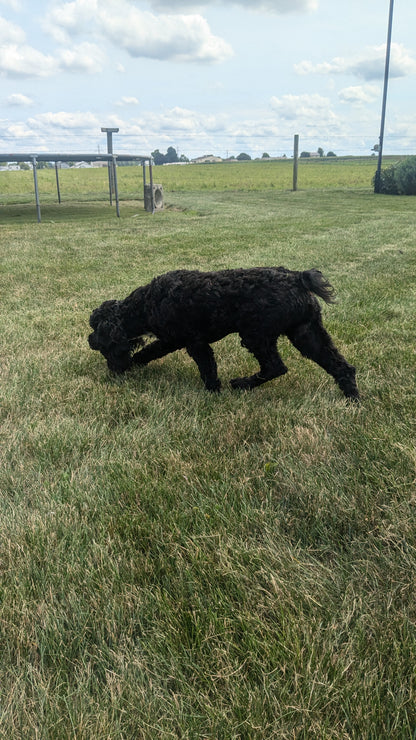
[{"x": 171, "y": 374}]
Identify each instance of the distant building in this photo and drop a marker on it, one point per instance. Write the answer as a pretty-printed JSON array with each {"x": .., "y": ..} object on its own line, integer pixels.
[{"x": 206, "y": 159}]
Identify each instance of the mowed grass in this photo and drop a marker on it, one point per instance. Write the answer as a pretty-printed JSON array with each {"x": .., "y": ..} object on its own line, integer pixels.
[{"x": 181, "y": 565}]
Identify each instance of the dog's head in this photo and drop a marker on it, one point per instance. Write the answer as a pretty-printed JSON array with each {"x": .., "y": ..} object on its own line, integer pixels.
[{"x": 109, "y": 336}]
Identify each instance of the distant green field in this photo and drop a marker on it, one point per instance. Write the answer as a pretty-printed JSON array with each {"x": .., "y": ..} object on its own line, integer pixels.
[
  {"x": 176, "y": 564},
  {"x": 90, "y": 184}
]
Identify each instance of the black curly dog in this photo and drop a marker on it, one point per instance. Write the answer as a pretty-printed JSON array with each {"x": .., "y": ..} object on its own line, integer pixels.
[{"x": 192, "y": 309}]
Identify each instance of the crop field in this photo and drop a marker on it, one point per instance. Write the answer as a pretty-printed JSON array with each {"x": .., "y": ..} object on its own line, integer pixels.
[
  {"x": 92, "y": 184},
  {"x": 178, "y": 564}
]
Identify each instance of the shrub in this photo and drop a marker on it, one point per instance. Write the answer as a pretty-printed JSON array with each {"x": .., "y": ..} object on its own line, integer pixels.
[
  {"x": 398, "y": 179},
  {"x": 387, "y": 181},
  {"x": 406, "y": 176}
]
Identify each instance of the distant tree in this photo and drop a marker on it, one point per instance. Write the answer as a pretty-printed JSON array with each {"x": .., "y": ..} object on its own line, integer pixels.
[
  {"x": 305, "y": 154},
  {"x": 320, "y": 151},
  {"x": 182, "y": 158},
  {"x": 158, "y": 157},
  {"x": 243, "y": 157},
  {"x": 265, "y": 155},
  {"x": 171, "y": 155},
  {"x": 331, "y": 154}
]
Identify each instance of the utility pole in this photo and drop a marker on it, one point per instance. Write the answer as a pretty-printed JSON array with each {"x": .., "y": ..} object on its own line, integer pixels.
[{"x": 383, "y": 107}]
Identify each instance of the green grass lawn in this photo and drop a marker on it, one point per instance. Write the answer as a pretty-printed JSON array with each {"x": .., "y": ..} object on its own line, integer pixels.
[{"x": 181, "y": 565}]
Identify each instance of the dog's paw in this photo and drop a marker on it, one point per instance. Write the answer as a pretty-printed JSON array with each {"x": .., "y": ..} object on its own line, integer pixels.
[
  {"x": 353, "y": 398},
  {"x": 137, "y": 360},
  {"x": 213, "y": 386},
  {"x": 243, "y": 384}
]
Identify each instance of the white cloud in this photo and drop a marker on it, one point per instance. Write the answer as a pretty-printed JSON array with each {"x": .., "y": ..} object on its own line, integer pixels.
[
  {"x": 402, "y": 63},
  {"x": 181, "y": 38},
  {"x": 17, "y": 58},
  {"x": 25, "y": 61},
  {"x": 19, "y": 131},
  {"x": 85, "y": 57},
  {"x": 369, "y": 66},
  {"x": 12, "y": 4},
  {"x": 179, "y": 119},
  {"x": 193, "y": 133},
  {"x": 125, "y": 100},
  {"x": 140, "y": 33},
  {"x": 268, "y": 6},
  {"x": 64, "y": 120},
  {"x": 10, "y": 33},
  {"x": 168, "y": 37},
  {"x": 17, "y": 99},
  {"x": 305, "y": 67},
  {"x": 70, "y": 19},
  {"x": 21, "y": 60},
  {"x": 359, "y": 94},
  {"x": 297, "y": 107}
]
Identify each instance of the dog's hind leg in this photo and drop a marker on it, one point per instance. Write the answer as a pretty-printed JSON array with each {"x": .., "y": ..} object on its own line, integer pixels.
[
  {"x": 203, "y": 355},
  {"x": 314, "y": 342},
  {"x": 271, "y": 364}
]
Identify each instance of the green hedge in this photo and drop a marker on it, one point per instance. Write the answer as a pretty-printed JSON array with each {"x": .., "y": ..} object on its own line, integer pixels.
[{"x": 398, "y": 179}]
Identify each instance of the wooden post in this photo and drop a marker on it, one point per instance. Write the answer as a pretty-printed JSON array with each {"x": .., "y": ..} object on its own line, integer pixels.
[
  {"x": 144, "y": 175},
  {"x": 57, "y": 182},
  {"x": 35, "y": 179},
  {"x": 114, "y": 178},
  {"x": 152, "y": 195},
  {"x": 110, "y": 164},
  {"x": 295, "y": 161}
]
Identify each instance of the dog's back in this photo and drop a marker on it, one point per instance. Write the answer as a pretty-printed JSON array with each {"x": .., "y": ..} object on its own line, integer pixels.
[{"x": 218, "y": 303}]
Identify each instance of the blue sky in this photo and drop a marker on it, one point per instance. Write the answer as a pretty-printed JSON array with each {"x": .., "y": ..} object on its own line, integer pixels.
[{"x": 219, "y": 77}]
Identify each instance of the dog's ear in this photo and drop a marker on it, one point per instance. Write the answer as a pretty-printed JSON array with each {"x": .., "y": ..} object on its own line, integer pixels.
[
  {"x": 117, "y": 334},
  {"x": 110, "y": 333},
  {"x": 107, "y": 311}
]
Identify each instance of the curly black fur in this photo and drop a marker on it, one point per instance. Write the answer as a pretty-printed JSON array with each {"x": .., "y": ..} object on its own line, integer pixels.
[{"x": 192, "y": 309}]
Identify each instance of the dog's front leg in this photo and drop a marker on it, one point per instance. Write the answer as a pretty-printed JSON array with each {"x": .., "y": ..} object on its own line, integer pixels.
[
  {"x": 203, "y": 355},
  {"x": 152, "y": 352}
]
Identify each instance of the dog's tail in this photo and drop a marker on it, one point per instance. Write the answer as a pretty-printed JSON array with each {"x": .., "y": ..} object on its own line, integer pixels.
[{"x": 314, "y": 281}]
